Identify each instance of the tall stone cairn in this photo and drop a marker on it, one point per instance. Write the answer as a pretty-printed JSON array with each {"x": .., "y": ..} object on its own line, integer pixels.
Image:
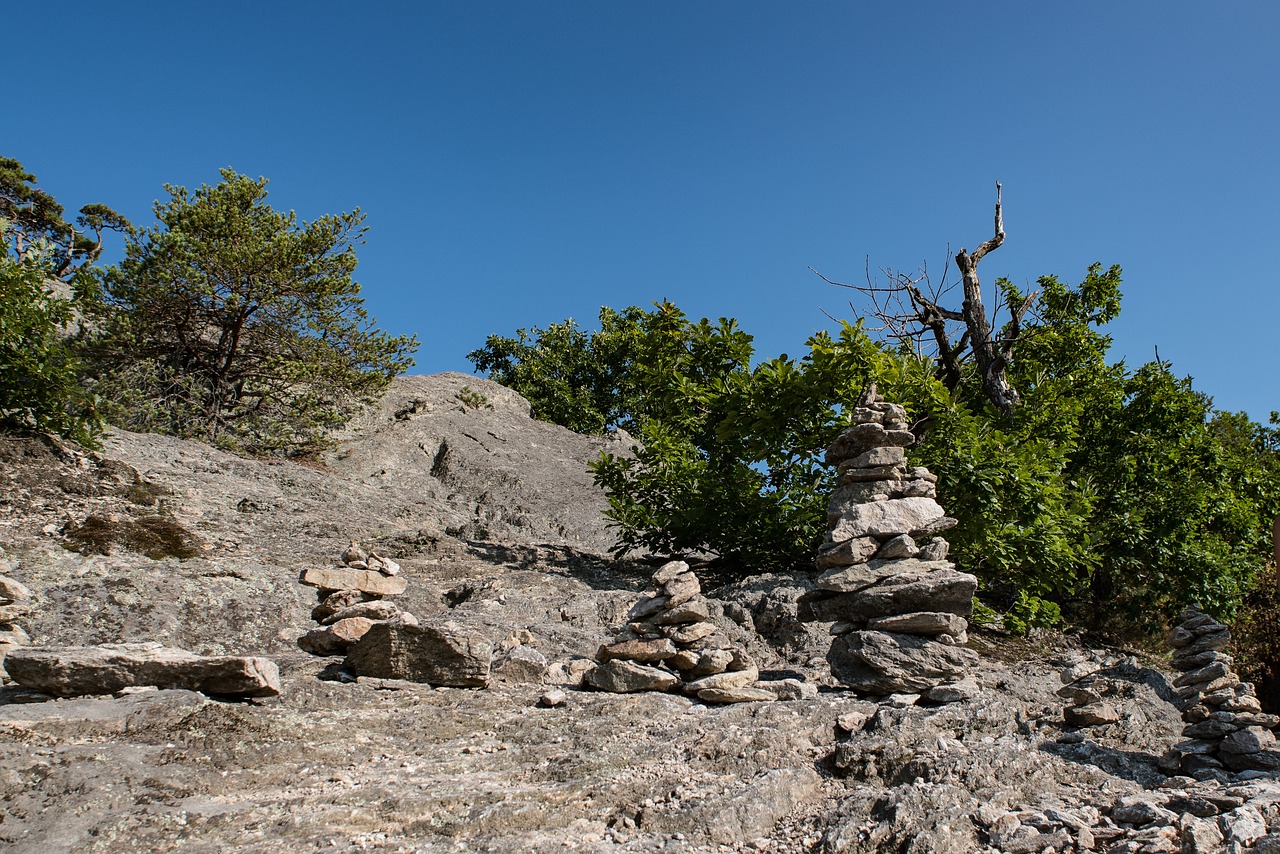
[
  {"x": 1226, "y": 727},
  {"x": 670, "y": 644},
  {"x": 900, "y": 609},
  {"x": 353, "y": 597},
  {"x": 15, "y": 603}
]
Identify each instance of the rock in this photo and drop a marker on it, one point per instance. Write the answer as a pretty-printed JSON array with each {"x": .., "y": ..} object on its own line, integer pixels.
[
  {"x": 1208, "y": 673},
  {"x": 523, "y": 665},
  {"x": 625, "y": 677},
  {"x": 883, "y": 518},
  {"x": 658, "y": 649},
  {"x": 846, "y": 553},
  {"x": 934, "y": 550},
  {"x": 736, "y": 695},
  {"x": 443, "y": 654},
  {"x": 335, "y": 639},
  {"x": 901, "y": 701},
  {"x": 693, "y": 611},
  {"x": 691, "y": 633},
  {"x": 377, "y": 609},
  {"x": 647, "y": 607},
  {"x": 13, "y": 590},
  {"x": 900, "y": 546},
  {"x": 78, "y": 670},
  {"x": 710, "y": 662},
  {"x": 1093, "y": 714},
  {"x": 354, "y": 554},
  {"x": 787, "y": 689},
  {"x": 1248, "y": 740},
  {"x": 889, "y": 663},
  {"x": 938, "y": 590},
  {"x": 954, "y": 692},
  {"x": 342, "y": 578},
  {"x": 1244, "y": 826},
  {"x": 385, "y": 565},
  {"x": 14, "y": 611},
  {"x": 850, "y": 579},
  {"x": 727, "y": 679},
  {"x": 13, "y": 636},
  {"x": 670, "y": 571},
  {"x": 879, "y": 476},
  {"x": 883, "y": 456},
  {"x": 1140, "y": 810},
  {"x": 920, "y": 623},
  {"x": 336, "y": 601},
  {"x": 681, "y": 589},
  {"x": 553, "y": 699}
]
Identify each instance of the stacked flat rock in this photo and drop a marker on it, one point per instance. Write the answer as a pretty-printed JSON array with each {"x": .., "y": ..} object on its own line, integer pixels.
[
  {"x": 1226, "y": 727},
  {"x": 900, "y": 609},
  {"x": 15, "y": 603},
  {"x": 353, "y": 598},
  {"x": 670, "y": 644}
]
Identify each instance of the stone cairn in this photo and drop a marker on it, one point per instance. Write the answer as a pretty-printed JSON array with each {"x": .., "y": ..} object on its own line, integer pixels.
[
  {"x": 353, "y": 598},
  {"x": 899, "y": 608},
  {"x": 1226, "y": 727},
  {"x": 669, "y": 643},
  {"x": 15, "y": 603}
]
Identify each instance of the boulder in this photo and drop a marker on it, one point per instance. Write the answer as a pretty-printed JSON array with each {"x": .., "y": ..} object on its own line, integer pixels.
[
  {"x": 523, "y": 665},
  {"x": 627, "y": 677},
  {"x": 335, "y": 639},
  {"x": 1092, "y": 714},
  {"x": 940, "y": 590},
  {"x": 336, "y": 601},
  {"x": 344, "y": 578},
  {"x": 441, "y": 654},
  {"x": 882, "y": 518},
  {"x": 889, "y": 663},
  {"x": 77, "y": 670}
]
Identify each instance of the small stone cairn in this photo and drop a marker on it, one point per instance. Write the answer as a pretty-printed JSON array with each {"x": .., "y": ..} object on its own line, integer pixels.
[
  {"x": 1226, "y": 727},
  {"x": 669, "y": 643},
  {"x": 15, "y": 603},
  {"x": 353, "y": 597},
  {"x": 899, "y": 608}
]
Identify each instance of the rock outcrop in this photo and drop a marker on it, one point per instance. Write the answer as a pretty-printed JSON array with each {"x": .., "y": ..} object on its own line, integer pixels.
[
  {"x": 900, "y": 608},
  {"x": 1226, "y": 727}
]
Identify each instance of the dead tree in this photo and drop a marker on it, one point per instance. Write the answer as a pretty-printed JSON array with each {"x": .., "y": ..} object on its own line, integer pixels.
[{"x": 910, "y": 313}]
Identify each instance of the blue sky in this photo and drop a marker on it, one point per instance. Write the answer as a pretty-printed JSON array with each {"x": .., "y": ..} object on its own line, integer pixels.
[{"x": 524, "y": 162}]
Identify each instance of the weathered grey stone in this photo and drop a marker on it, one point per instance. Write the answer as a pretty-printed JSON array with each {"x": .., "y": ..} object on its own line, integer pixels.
[
  {"x": 553, "y": 699},
  {"x": 354, "y": 554},
  {"x": 920, "y": 623},
  {"x": 1093, "y": 714},
  {"x": 1208, "y": 673},
  {"x": 787, "y": 689},
  {"x": 336, "y": 601},
  {"x": 522, "y": 665},
  {"x": 935, "y": 549},
  {"x": 335, "y": 639},
  {"x": 11, "y": 636},
  {"x": 882, "y": 518},
  {"x": 1199, "y": 836},
  {"x": 1248, "y": 740},
  {"x": 1079, "y": 694},
  {"x": 954, "y": 692},
  {"x": 693, "y": 611},
  {"x": 901, "y": 546},
  {"x": 76, "y": 670},
  {"x": 861, "y": 438},
  {"x": 846, "y": 553},
  {"x": 626, "y": 677},
  {"x": 1210, "y": 729},
  {"x": 377, "y": 609},
  {"x": 708, "y": 663},
  {"x": 885, "y": 456},
  {"x": 1200, "y": 659},
  {"x": 692, "y": 633},
  {"x": 638, "y": 650},
  {"x": 878, "y": 476},
  {"x": 443, "y": 654},
  {"x": 681, "y": 589},
  {"x": 13, "y": 590},
  {"x": 727, "y": 679},
  {"x": 736, "y": 695},
  {"x": 889, "y": 663},
  {"x": 1263, "y": 760},
  {"x": 647, "y": 607},
  {"x": 860, "y": 576},
  {"x": 14, "y": 611},
  {"x": 343, "y": 578},
  {"x": 669, "y": 571},
  {"x": 937, "y": 590}
]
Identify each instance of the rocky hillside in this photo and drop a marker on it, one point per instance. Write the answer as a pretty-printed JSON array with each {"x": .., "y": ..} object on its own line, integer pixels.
[{"x": 498, "y": 530}]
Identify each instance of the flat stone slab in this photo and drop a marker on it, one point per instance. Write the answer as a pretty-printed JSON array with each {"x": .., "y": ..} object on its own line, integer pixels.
[
  {"x": 342, "y": 578},
  {"x": 890, "y": 663},
  {"x": 627, "y": 677},
  {"x": 75, "y": 671},
  {"x": 883, "y": 518},
  {"x": 861, "y": 576},
  {"x": 736, "y": 695}
]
